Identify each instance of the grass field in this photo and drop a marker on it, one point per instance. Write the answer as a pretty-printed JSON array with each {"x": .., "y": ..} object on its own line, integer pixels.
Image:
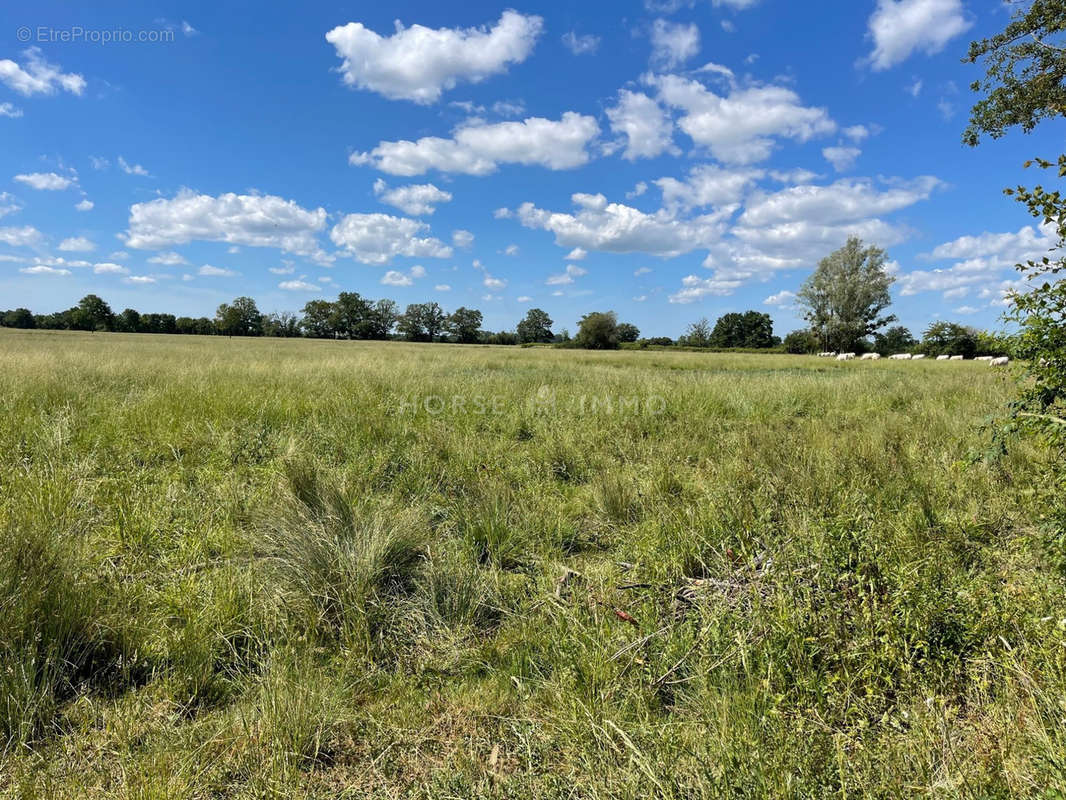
[{"x": 289, "y": 568}]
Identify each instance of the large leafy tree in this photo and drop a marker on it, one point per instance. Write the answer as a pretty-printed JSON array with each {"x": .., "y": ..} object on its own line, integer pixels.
[
  {"x": 801, "y": 342},
  {"x": 464, "y": 324},
  {"x": 92, "y": 314},
  {"x": 896, "y": 339},
  {"x": 750, "y": 329},
  {"x": 598, "y": 330},
  {"x": 628, "y": 332},
  {"x": 239, "y": 318},
  {"x": 165, "y": 323},
  {"x": 422, "y": 322},
  {"x": 351, "y": 316},
  {"x": 282, "y": 324},
  {"x": 129, "y": 321},
  {"x": 845, "y": 296},
  {"x": 19, "y": 318},
  {"x": 1025, "y": 84},
  {"x": 535, "y": 327},
  {"x": 949, "y": 339},
  {"x": 317, "y": 320},
  {"x": 383, "y": 318}
]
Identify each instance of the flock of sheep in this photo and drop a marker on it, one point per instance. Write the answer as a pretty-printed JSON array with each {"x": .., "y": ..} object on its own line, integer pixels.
[{"x": 993, "y": 361}]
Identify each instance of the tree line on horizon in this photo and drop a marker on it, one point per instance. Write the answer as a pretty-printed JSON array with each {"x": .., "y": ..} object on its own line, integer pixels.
[
  {"x": 350, "y": 316},
  {"x": 843, "y": 301}
]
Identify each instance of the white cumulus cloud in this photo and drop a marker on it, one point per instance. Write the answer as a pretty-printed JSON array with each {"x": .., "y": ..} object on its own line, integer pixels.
[
  {"x": 299, "y": 286},
  {"x": 77, "y": 244},
  {"x": 696, "y": 288},
  {"x": 567, "y": 277},
  {"x": 646, "y": 127},
  {"x": 254, "y": 220},
  {"x": 708, "y": 185},
  {"x": 9, "y": 204},
  {"x": 41, "y": 269},
  {"x": 420, "y": 63},
  {"x": 38, "y": 76},
  {"x": 899, "y": 28},
  {"x": 46, "y": 181},
  {"x": 394, "y": 278},
  {"x": 416, "y": 200},
  {"x": 580, "y": 45},
  {"x": 131, "y": 169},
  {"x": 478, "y": 148},
  {"x": 378, "y": 238},
  {"x": 672, "y": 44},
  {"x": 980, "y": 260},
  {"x": 741, "y": 126},
  {"x": 782, "y": 298},
  {"x": 209, "y": 271},
  {"x": 168, "y": 259},
  {"x": 856, "y": 132},
  {"x": 841, "y": 201},
  {"x": 842, "y": 158},
  {"x": 108, "y": 268},
  {"x": 617, "y": 228}
]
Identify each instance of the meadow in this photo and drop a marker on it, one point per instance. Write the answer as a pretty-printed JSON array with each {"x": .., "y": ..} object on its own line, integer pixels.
[{"x": 310, "y": 568}]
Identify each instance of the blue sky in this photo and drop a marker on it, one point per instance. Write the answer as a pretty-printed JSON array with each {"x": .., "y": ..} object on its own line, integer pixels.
[{"x": 668, "y": 160}]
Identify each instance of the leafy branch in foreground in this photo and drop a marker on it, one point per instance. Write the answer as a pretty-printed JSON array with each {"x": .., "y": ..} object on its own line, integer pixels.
[
  {"x": 1041, "y": 313},
  {"x": 1025, "y": 83},
  {"x": 1026, "y": 72}
]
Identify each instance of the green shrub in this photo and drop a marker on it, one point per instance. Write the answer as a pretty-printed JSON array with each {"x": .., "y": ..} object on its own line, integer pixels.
[{"x": 801, "y": 342}]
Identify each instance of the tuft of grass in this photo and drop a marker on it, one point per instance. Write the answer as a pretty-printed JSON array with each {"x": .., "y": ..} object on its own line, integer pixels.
[
  {"x": 54, "y": 637},
  {"x": 340, "y": 565}
]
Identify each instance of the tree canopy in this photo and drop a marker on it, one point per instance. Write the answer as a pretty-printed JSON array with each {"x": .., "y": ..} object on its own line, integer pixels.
[
  {"x": 464, "y": 324},
  {"x": 598, "y": 330},
  {"x": 239, "y": 318},
  {"x": 845, "y": 296},
  {"x": 1025, "y": 79},
  {"x": 896, "y": 339},
  {"x": 536, "y": 327},
  {"x": 750, "y": 329}
]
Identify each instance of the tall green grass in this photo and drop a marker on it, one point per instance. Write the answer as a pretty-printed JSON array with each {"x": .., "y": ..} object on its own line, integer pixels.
[{"x": 263, "y": 568}]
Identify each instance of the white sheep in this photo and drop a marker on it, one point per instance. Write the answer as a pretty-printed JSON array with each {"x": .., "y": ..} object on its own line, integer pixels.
[
  {"x": 955, "y": 358},
  {"x": 845, "y": 357},
  {"x": 943, "y": 358},
  {"x": 901, "y": 356},
  {"x": 1002, "y": 361},
  {"x": 919, "y": 357},
  {"x": 870, "y": 356}
]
